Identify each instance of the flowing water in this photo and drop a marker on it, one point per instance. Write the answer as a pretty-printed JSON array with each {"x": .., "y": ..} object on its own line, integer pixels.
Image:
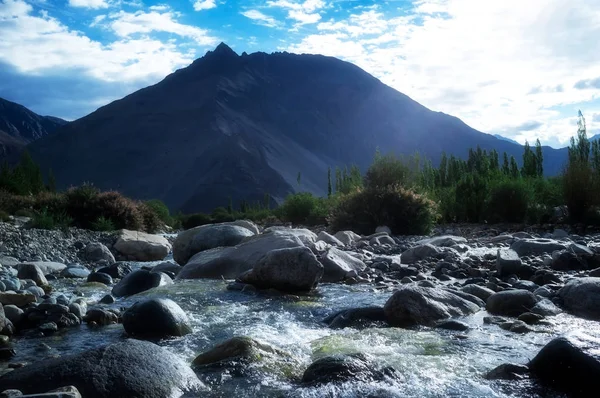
[{"x": 432, "y": 363}]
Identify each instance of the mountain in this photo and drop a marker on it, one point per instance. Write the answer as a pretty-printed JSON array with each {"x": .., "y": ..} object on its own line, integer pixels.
[
  {"x": 500, "y": 137},
  {"x": 19, "y": 126},
  {"x": 231, "y": 126}
]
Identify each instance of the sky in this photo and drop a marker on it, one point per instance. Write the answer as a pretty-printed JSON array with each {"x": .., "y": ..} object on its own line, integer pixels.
[{"x": 518, "y": 68}]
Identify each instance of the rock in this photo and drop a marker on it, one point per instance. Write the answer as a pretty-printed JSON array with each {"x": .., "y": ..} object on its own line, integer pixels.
[
  {"x": 18, "y": 299},
  {"x": 560, "y": 234},
  {"x": 338, "y": 263},
  {"x": 347, "y": 237},
  {"x": 525, "y": 285},
  {"x": 33, "y": 272},
  {"x": 140, "y": 246},
  {"x": 581, "y": 250},
  {"x": 357, "y": 318},
  {"x": 415, "y": 305},
  {"x": 108, "y": 299},
  {"x": 48, "y": 267},
  {"x": 100, "y": 317},
  {"x": 306, "y": 236},
  {"x": 289, "y": 270},
  {"x": 384, "y": 229},
  {"x": 342, "y": 368},
  {"x": 478, "y": 291},
  {"x": 95, "y": 252},
  {"x": 511, "y": 302},
  {"x": 100, "y": 277},
  {"x": 139, "y": 281},
  {"x": 117, "y": 270},
  {"x": 327, "y": 238},
  {"x": 244, "y": 349},
  {"x": 13, "y": 284},
  {"x": 530, "y": 318},
  {"x": 14, "y": 314},
  {"x": 75, "y": 272},
  {"x": 443, "y": 241},
  {"x": 580, "y": 296},
  {"x": 567, "y": 261},
  {"x": 206, "y": 237},
  {"x": 569, "y": 364},
  {"x": 452, "y": 324},
  {"x": 536, "y": 247},
  {"x": 131, "y": 368},
  {"x": 168, "y": 267},
  {"x": 417, "y": 253},
  {"x": 156, "y": 318},
  {"x": 507, "y": 371},
  {"x": 230, "y": 262},
  {"x": 8, "y": 261},
  {"x": 78, "y": 310},
  {"x": 545, "y": 307},
  {"x": 508, "y": 262}
]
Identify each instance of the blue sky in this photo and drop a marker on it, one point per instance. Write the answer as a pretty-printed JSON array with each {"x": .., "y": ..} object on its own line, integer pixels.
[{"x": 517, "y": 68}]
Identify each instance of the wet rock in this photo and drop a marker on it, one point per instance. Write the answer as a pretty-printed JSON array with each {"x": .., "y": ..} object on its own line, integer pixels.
[
  {"x": 206, "y": 237},
  {"x": 100, "y": 277},
  {"x": 478, "y": 291},
  {"x": 580, "y": 296},
  {"x": 452, "y": 324},
  {"x": 443, "y": 241},
  {"x": 48, "y": 267},
  {"x": 525, "y": 285},
  {"x": 289, "y": 270},
  {"x": 5, "y": 355},
  {"x": 567, "y": 261},
  {"x": 415, "y": 305},
  {"x": 168, "y": 267},
  {"x": 75, "y": 272},
  {"x": 140, "y": 246},
  {"x": 131, "y": 368},
  {"x": 100, "y": 317},
  {"x": 569, "y": 364},
  {"x": 13, "y": 284},
  {"x": 417, "y": 253},
  {"x": 117, "y": 270},
  {"x": 508, "y": 371},
  {"x": 357, "y": 318},
  {"x": 33, "y": 272},
  {"x": 508, "y": 262},
  {"x": 347, "y": 237},
  {"x": 78, "y": 310},
  {"x": 14, "y": 314},
  {"x": 329, "y": 239},
  {"x": 95, "y": 252},
  {"x": 229, "y": 262},
  {"x": 536, "y": 247},
  {"x": 108, "y": 299},
  {"x": 511, "y": 302},
  {"x": 239, "y": 349},
  {"x": 18, "y": 299},
  {"x": 545, "y": 307},
  {"x": 516, "y": 327},
  {"x": 139, "y": 281},
  {"x": 338, "y": 263},
  {"x": 156, "y": 318},
  {"x": 530, "y": 318},
  {"x": 341, "y": 368}
]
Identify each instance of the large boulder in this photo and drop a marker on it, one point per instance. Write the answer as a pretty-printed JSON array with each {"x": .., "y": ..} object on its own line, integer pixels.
[
  {"x": 131, "y": 368},
  {"x": 569, "y": 364},
  {"x": 230, "y": 262},
  {"x": 508, "y": 262},
  {"x": 156, "y": 318},
  {"x": 206, "y": 237},
  {"x": 343, "y": 368},
  {"x": 511, "y": 302},
  {"x": 357, "y": 318},
  {"x": 47, "y": 267},
  {"x": 536, "y": 247},
  {"x": 140, "y": 246},
  {"x": 33, "y": 272},
  {"x": 347, "y": 237},
  {"x": 478, "y": 291},
  {"x": 329, "y": 239},
  {"x": 239, "y": 348},
  {"x": 415, "y": 305},
  {"x": 140, "y": 281},
  {"x": 117, "y": 270},
  {"x": 94, "y": 252},
  {"x": 337, "y": 264},
  {"x": 289, "y": 270},
  {"x": 580, "y": 296},
  {"x": 306, "y": 236},
  {"x": 567, "y": 260},
  {"x": 419, "y": 252}
]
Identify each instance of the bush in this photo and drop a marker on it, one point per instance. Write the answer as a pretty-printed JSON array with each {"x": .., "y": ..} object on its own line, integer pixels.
[
  {"x": 25, "y": 213},
  {"x": 4, "y": 216},
  {"x": 580, "y": 190},
  {"x": 446, "y": 200},
  {"x": 195, "y": 220},
  {"x": 297, "y": 207},
  {"x": 221, "y": 214},
  {"x": 160, "y": 209},
  {"x": 12, "y": 203},
  {"x": 103, "y": 224},
  {"x": 509, "y": 201},
  {"x": 386, "y": 171},
  {"x": 404, "y": 211},
  {"x": 47, "y": 220},
  {"x": 151, "y": 221},
  {"x": 471, "y": 196}
]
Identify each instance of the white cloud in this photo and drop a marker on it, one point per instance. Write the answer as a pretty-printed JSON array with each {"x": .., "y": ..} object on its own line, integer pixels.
[
  {"x": 159, "y": 7},
  {"x": 38, "y": 45},
  {"x": 89, "y": 3},
  {"x": 302, "y": 12},
  {"x": 125, "y": 24},
  {"x": 261, "y": 18},
  {"x": 496, "y": 65},
  {"x": 200, "y": 5},
  {"x": 97, "y": 20}
]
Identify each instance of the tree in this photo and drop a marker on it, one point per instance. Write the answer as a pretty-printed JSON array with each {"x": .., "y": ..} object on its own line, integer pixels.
[
  {"x": 329, "y": 182},
  {"x": 580, "y": 148},
  {"x": 539, "y": 157},
  {"x": 443, "y": 171},
  {"x": 298, "y": 178},
  {"x": 529, "y": 168},
  {"x": 51, "y": 181},
  {"x": 505, "y": 165},
  {"x": 514, "y": 169}
]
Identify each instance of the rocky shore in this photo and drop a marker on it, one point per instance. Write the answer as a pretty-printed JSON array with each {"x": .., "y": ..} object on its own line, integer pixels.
[{"x": 160, "y": 293}]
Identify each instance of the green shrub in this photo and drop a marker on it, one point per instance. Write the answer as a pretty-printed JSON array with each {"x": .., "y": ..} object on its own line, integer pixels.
[
  {"x": 24, "y": 213},
  {"x": 297, "y": 207},
  {"x": 103, "y": 224},
  {"x": 509, "y": 201},
  {"x": 123, "y": 212},
  {"x": 471, "y": 196},
  {"x": 195, "y": 220},
  {"x": 404, "y": 211},
  {"x": 47, "y": 220},
  {"x": 386, "y": 171},
  {"x": 221, "y": 214},
  {"x": 81, "y": 204},
  {"x": 11, "y": 203},
  {"x": 4, "y": 216},
  {"x": 580, "y": 190},
  {"x": 151, "y": 221},
  {"x": 161, "y": 210},
  {"x": 446, "y": 200}
]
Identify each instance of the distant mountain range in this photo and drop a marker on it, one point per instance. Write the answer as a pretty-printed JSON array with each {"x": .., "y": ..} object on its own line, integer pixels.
[
  {"x": 19, "y": 126},
  {"x": 500, "y": 137},
  {"x": 234, "y": 127}
]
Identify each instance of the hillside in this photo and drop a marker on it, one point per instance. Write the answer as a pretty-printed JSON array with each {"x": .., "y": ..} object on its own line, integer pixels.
[{"x": 231, "y": 126}]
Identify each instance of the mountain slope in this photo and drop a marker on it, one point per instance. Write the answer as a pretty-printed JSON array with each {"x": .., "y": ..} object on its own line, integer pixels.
[
  {"x": 230, "y": 126},
  {"x": 20, "y": 126}
]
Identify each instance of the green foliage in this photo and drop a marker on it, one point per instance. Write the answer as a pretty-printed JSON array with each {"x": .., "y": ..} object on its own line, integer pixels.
[
  {"x": 24, "y": 213},
  {"x": 471, "y": 195},
  {"x": 195, "y": 220},
  {"x": 160, "y": 210},
  {"x": 221, "y": 214},
  {"x": 47, "y": 220},
  {"x": 509, "y": 201},
  {"x": 401, "y": 209},
  {"x": 304, "y": 208},
  {"x": 24, "y": 179},
  {"x": 4, "y": 216},
  {"x": 387, "y": 171},
  {"x": 103, "y": 224}
]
